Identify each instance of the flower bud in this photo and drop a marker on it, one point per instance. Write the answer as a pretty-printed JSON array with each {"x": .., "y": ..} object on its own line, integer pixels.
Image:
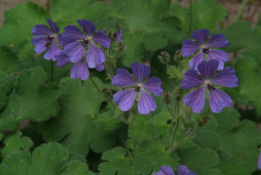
[
  {"x": 164, "y": 57},
  {"x": 167, "y": 98},
  {"x": 178, "y": 57},
  {"x": 177, "y": 94},
  {"x": 107, "y": 92}
]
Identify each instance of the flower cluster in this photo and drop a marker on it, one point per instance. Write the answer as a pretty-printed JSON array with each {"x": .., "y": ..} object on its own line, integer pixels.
[{"x": 167, "y": 170}]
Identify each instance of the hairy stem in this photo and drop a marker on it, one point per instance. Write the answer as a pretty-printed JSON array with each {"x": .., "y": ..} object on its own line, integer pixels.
[
  {"x": 51, "y": 71},
  {"x": 175, "y": 130},
  {"x": 190, "y": 16}
]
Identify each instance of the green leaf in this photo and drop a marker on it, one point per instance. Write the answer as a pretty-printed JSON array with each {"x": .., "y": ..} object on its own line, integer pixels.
[
  {"x": 15, "y": 142},
  {"x": 175, "y": 70},
  {"x": 32, "y": 100},
  {"x": 47, "y": 159},
  {"x": 6, "y": 84},
  {"x": 8, "y": 61}
]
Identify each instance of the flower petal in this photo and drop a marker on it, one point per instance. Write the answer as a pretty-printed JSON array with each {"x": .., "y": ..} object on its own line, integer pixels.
[
  {"x": 226, "y": 78},
  {"x": 64, "y": 41},
  {"x": 196, "y": 60},
  {"x": 196, "y": 99},
  {"x": 141, "y": 71},
  {"x": 53, "y": 26},
  {"x": 75, "y": 50},
  {"x": 73, "y": 33},
  {"x": 39, "y": 42},
  {"x": 94, "y": 56},
  {"x": 99, "y": 67},
  {"x": 118, "y": 36},
  {"x": 80, "y": 70},
  {"x": 208, "y": 68},
  {"x": 219, "y": 55},
  {"x": 50, "y": 52},
  {"x": 102, "y": 39},
  {"x": 154, "y": 86},
  {"x": 201, "y": 35},
  {"x": 189, "y": 47},
  {"x": 191, "y": 80},
  {"x": 183, "y": 170},
  {"x": 146, "y": 103},
  {"x": 41, "y": 30},
  {"x": 218, "y": 100},
  {"x": 218, "y": 40},
  {"x": 165, "y": 170},
  {"x": 259, "y": 161},
  {"x": 125, "y": 99},
  {"x": 123, "y": 78},
  {"x": 87, "y": 25},
  {"x": 62, "y": 58}
]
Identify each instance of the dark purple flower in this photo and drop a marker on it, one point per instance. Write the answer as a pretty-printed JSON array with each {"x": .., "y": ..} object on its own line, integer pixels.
[
  {"x": 62, "y": 58},
  {"x": 217, "y": 98},
  {"x": 126, "y": 98},
  {"x": 86, "y": 40},
  {"x": 259, "y": 161},
  {"x": 167, "y": 170},
  {"x": 183, "y": 170},
  {"x": 204, "y": 47},
  {"x": 46, "y": 38},
  {"x": 118, "y": 36}
]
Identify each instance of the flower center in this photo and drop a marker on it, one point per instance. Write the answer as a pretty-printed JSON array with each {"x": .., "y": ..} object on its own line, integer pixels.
[
  {"x": 85, "y": 42},
  {"x": 210, "y": 87},
  {"x": 49, "y": 41},
  {"x": 138, "y": 87},
  {"x": 205, "y": 50}
]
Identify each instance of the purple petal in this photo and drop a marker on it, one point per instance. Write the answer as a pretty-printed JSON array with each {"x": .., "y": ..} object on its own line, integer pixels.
[
  {"x": 123, "y": 78},
  {"x": 41, "y": 30},
  {"x": 189, "y": 47},
  {"x": 218, "y": 40},
  {"x": 226, "y": 78},
  {"x": 75, "y": 50},
  {"x": 259, "y": 161},
  {"x": 191, "y": 80},
  {"x": 196, "y": 99},
  {"x": 154, "y": 86},
  {"x": 53, "y": 26},
  {"x": 94, "y": 56},
  {"x": 102, "y": 39},
  {"x": 141, "y": 71},
  {"x": 73, "y": 33},
  {"x": 80, "y": 70},
  {"x": 39, "y": 42},
  {"x": 196, "y": 60},
  {"x": 125, "y": 99},
  {"x": 62, "y": 58},
  {"x": 165, "y": 170},
  {"x": 208, "y": 68},
  {"x": 99, "y": 67},
  {"x": 87, "y": 25},
  {"x": 219, "y": 55},
  {"x": 118, "y": 35},
  {"x": 146, "y": 103},
  {"x": 218, "y": 100},
  {"x": 50, "y": 52},
  {"x": 183, "y": 170},
  {"x": 64, "y": 41},
  {"x": 201, "y": 35}
]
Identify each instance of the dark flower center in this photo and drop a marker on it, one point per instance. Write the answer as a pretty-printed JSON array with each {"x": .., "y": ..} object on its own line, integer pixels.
[
  {"x": 85, "y": 42},
  {"x": 205, "y": 50},
  {"x": 137, "y": 89},
  {"x": 210, "y": 88},
  {"x": 49, "y": 40}
]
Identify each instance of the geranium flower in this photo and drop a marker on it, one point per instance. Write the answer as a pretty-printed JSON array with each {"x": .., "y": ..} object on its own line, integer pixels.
[
  {"x": 259, "y": 161},
  {"x": 167, "y": 170},
  {"x": 204, "y": 47},
  {"x": 126, "y": 98},
  {"x": 208, "y": 80}
]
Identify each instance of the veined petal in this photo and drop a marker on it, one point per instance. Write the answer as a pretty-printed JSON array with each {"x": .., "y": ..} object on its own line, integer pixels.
[
  {"x": 141, "y": 71},
  {"x": 183, "y": 170},
  {"x": 226, "y": 77},
  {"x": 191, "y": 80},
  {"x": 208, "y": 68},
  {"x": 201, "y": 35},
  {"x": 218, "y": 40},
  {"x": 123, "y": 78},
  {"x": 218, "y": 100},
  {"x": 50, "y": 52},
  {"x": 219, "y": 55},
  {"x": 196, "y": 99},
  {"x": 189, "y": 47},
  {"x": 102, "y": 39},
  {"x": 87, "y": 25},
  {"x": 62, "y": 58},
  {"x": 53, "y": 26},
  {"x": 125, "y": 99},
  {"x": 118, "y": 36},
  {"x": 196, "y": 60},
  {"x": 64, "y": 41},
  {"x": 154, "y": 86},
  {"x": 75, "y": 50},
  {"x": 94, "y": 56},
  {"x": 39, "y": 43},
  {"x": 165, "y": 170},
  {"x": 41, "y": 30},
  {"x": 80, "y": 70},
  {"x": 99, "y": 67},
  {"x": 146, "y": 103},
  {"x": 259, "y": 161},
  {"x": 73, "y": 33}
]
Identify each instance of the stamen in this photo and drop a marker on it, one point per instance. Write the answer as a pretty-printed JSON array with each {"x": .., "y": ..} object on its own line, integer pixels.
[{"x": 205, "y": 50}]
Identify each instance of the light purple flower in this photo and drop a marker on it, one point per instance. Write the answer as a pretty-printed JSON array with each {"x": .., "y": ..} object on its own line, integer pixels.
[
  {"x": 204, "y": 47},
  {"x": 259, "y": 161},
  {"x": 167, "y": 170},
  {"x": 83, "y": 40},
  {"x": 217, "y": 98},
  {"x": 61, "y": 57},
  {"x": 46, "y": 38},
  {"x": 118, "y": 35},
  {"x": 126, "y": 98},
  {"x": 80, "y": 70}
]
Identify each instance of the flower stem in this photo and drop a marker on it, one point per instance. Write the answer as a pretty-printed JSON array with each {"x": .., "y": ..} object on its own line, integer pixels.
[
  {"x": 175, "y": 129},
  {"x": 51, "y": 71},
  {"x": 171, "y": 113},
  {"x": 241, "y": 10},
  {"x": 190, "y": 16}
]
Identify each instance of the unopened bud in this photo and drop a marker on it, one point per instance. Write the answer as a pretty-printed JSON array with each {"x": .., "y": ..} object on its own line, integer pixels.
[
  {"x": 177, "y": 94},
  {"x": 120, "y": 46},
  {"x": 167, "y": 98},
  {"x": 107, "y": 92},
  {"x": 178, "y": 57},
  {"x": 164, "y": 57}
]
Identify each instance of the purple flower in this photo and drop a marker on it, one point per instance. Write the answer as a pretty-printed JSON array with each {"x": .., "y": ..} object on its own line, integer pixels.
[
  {"x": 46, "y": 38},
  {"x": 167, "y": 170},
  {"x": 62, "y": 58},
  {"x": 118, "y": 36},
  {"x": 85, "y": 40},
  {"x": 217, "y": 98},
  {"x": 126, "y": 98},
  {"x": 204, "y": 47},
  {"x": 259, "y": 161},
  {"x": 80, "y": 70}
]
